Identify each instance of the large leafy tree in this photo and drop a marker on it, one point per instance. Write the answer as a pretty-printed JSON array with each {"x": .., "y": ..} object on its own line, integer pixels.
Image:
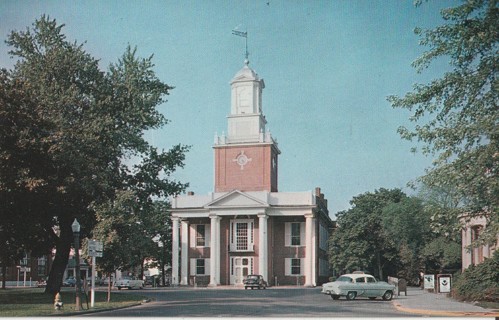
[
  {"x": 457, "y": 116},
  {"x": 409, "y": 225},
  {"x": 360, "y": 242},
  {"x": 78, "y": 130}
]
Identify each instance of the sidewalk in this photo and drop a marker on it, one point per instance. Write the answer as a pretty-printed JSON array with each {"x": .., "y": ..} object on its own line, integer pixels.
[{"x": 423, "y": 302}]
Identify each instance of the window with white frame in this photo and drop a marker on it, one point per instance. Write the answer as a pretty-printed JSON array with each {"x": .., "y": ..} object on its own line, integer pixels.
[
  {"x": 200, "y": 267},
  {"x": 294, "y": 266},
  {"x": 200, "y": 235},
  {"x": 241, "y": 235},
  {"x": 294, "y": 233}
]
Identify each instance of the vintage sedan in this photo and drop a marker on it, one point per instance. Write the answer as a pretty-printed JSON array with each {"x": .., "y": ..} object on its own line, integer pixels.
[
  {"x": 356, "y": 285},
  {"x": 254, "y": 281}
]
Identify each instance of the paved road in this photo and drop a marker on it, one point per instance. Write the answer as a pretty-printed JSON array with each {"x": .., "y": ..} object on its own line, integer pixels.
[{"x": 272, "y": 302}]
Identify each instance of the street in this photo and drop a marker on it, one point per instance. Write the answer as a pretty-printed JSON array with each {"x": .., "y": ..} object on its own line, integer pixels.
[{"x": 232, "y": 302}]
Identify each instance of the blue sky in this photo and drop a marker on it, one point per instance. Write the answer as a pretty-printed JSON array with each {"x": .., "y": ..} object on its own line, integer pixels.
[{"x": 328, "y": 67}]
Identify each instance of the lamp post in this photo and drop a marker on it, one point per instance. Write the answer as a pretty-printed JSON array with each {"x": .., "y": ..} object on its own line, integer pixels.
[{"x": 76, "y": 233}]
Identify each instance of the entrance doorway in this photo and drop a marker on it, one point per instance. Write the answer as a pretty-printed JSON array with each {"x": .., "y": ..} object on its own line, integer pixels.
[{"x": 240, "y": 267}]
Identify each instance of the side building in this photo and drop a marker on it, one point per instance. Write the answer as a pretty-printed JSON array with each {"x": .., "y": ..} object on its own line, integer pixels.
[{"x": 246, "y": 226}]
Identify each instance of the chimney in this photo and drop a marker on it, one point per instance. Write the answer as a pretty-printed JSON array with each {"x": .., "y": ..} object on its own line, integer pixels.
[{"x": 317, "y": 191}]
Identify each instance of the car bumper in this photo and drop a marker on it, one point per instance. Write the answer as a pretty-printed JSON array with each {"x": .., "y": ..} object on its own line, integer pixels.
[{"x": 330, "y": 291}]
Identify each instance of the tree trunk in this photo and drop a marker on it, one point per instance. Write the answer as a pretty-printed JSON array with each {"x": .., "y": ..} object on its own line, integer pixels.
[
  {"x": 380, "y": 268},
  {"x": 141, "y": 276},
  {"x": 63, "y": 248},
  {"x": 4, "y": 275}
]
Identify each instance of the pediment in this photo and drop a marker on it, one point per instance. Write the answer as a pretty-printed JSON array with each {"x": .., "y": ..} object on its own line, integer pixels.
[{"x": 237, "y": 199}]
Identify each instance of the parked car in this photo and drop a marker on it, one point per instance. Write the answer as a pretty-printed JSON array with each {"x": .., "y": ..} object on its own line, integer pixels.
[
  {"x": 41, "y": 283},
  {"x": 129, "y": 282},
  {"x": 69, "y": 282},
  {"x": 254, "y": 281},
  {"x": 356, "y": 285}
]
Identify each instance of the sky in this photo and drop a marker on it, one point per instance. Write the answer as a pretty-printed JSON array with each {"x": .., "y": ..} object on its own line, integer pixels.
[{"x": 328, "y": 68}]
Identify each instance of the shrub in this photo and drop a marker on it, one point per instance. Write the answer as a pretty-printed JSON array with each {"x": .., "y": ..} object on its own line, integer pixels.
[{"x": 480, "y": 282}]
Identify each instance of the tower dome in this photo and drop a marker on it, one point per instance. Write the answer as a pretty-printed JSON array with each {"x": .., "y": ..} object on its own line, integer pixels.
[{"x": 247, "y": 74}]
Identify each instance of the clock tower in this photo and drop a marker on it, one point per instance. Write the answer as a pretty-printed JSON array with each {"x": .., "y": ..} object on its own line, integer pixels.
[{"x": 246, "y": 158}]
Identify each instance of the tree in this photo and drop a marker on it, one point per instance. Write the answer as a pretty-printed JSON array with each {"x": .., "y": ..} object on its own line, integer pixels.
[
  {"x": 360, "y": 242},
  {"x": 459, "y": 112},
  {"x": 81, "y": 129},
  {"x": 409, "y": 224}
]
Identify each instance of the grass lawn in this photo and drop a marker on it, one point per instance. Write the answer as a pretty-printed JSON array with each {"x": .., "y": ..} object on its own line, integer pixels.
[{"x": 29, "y": 302}]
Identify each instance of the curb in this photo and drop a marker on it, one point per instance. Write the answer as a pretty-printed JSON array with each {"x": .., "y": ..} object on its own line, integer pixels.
[
  {"x": 90, "y": 311},
  {"x": 444, "y": 313}
]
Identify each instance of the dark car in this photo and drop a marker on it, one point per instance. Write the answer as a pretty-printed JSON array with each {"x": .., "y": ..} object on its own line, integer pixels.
[{"x": 254, "y": 281}]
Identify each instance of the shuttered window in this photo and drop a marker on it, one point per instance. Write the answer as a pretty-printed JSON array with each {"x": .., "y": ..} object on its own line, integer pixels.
[
  {"x": 294, "y": 266},
  {"x": 294, "y": 234},
  {"x": 200, "y": 267}
]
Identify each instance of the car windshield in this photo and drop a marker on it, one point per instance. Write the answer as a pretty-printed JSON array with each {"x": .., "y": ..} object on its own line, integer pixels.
[
  {"x": 252, "y": 277},
  {"x": 344, "y": 279}
]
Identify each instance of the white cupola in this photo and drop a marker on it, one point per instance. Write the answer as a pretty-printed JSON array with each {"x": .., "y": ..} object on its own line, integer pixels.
[{"x": 246, "y": 121}]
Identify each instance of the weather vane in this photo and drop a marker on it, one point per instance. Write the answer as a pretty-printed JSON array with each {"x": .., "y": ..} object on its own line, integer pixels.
[{"x": 245, "y": 36}]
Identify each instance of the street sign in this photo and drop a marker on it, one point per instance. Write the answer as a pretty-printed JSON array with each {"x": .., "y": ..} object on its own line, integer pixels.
[
  {"x": 95, "y": 248},
  {"x": 444, "y": 284},
  {"x": 429, "y": 281}
]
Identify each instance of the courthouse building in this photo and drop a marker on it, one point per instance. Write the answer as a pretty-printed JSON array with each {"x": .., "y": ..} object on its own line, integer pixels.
[{"x": 246, "y": 226}]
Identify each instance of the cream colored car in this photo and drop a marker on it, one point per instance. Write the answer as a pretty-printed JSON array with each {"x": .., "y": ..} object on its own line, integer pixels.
[{"x": 356, "y": 285}]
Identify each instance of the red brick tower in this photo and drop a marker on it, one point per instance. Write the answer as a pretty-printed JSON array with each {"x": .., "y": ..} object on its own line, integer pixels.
[{"x": 246, "y": 159}]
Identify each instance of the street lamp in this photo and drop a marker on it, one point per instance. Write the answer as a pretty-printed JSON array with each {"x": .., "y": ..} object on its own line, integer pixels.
[{"x": 76, "y": 233}]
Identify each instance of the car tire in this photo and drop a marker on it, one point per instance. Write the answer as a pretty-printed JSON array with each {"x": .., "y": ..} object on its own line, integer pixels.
[
  {"x": 351, "y": 295},
  {"x": 335, "y": 297},
  {"x": 245, "y": 288},
  {"x": 119, "y": 288},
  {"x": 388, "y": 295}
]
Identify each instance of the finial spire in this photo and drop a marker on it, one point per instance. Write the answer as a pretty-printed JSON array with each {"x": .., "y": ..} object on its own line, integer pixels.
[{"x": 245, "y": 36}]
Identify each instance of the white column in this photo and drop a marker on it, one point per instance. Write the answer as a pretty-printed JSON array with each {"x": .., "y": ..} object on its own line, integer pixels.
[
  {"x": 217, "y": 274},
  {"x": 184, "y": 255},
  {"x": 214, "y": 251},
  {"x": 314, "y": 251},
  {"x": 263, "y": 246},
  {"x": 308, "y": 250},
  {"x": 175, "y": 242}
]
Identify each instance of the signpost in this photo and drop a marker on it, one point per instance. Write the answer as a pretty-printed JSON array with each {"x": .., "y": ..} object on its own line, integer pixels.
[
  {"x": 95, "y": 249},
  {"x": 444, "y": 283},
  {"x": 429, "y": 281}
]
